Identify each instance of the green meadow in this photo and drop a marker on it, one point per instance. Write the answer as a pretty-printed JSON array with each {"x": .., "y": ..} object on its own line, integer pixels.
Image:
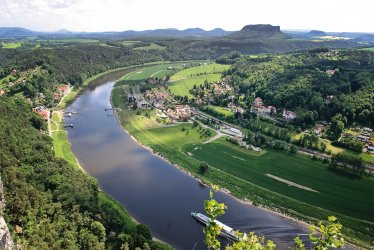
[
  {"x": 11, "y": 45},
  {"x": 144, "y": 73},
  {"x": 368, "y": 49},
  {"x": 182, "y": 87},
  {"x": 212, "y": 68},
  {"x": 184, "y": 80},
  {"x": 61, "y": 142},
  {"x": 221, "y": 110},
  {"x": 152, "y": 46},
  {"x": 335, "y": 192}
]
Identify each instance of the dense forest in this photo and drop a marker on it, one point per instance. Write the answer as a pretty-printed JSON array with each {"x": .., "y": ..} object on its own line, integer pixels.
[
  {"x": 51, "y": 204},
  {"x": 318, "y": 84}
]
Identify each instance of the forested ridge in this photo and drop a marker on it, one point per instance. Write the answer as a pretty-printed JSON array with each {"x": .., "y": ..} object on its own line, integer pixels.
[
  {"x": 317, "y": 84},
  {"x": 49, "y": 203},
  {"x": 52, "y": 204}
]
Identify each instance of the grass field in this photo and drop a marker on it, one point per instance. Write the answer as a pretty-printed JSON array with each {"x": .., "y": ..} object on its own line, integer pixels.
[
  {"x": 181, "y": 82},
  {"x": 152, "y": 46},
  {"x": 203, "y": 69},
  {"x": 11, "y": 45},
  {"x": 153, "y": 71},
  {"x": 61, "y": 142},
  {"x": 129, "y": 43},
  {"x": 221, "y": 110},
  {"x": 368, "y": 49},
  {"x": 72, "y": 40},
  {"x": 179, "y": 135},
  {"x": 182, "y": 87},
  {"x": 338, "y": 193}
]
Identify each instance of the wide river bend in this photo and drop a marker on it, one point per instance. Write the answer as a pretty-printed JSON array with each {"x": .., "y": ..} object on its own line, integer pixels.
[{"x": 155, "y": 192}]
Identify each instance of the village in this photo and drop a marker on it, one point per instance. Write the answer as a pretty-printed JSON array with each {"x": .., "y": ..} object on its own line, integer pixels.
[{"x": 172, "y": 110}]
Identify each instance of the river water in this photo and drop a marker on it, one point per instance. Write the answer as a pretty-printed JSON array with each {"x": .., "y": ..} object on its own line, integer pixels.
[{"x": 155, "y": 192}]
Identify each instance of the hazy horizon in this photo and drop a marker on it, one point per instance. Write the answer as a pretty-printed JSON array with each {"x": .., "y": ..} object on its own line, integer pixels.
[{"x": 121, "y": 15}]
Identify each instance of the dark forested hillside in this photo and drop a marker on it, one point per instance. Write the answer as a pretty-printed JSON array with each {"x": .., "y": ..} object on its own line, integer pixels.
[
  {"x": 317, "y": 84},
  {"x": 50, "y": 204}
]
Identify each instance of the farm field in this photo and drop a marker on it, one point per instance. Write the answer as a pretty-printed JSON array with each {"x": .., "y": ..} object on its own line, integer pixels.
[
  {"x": 212, "y": 68},
  {"x": 338, "y": 193},
  {"x": 182, "y": 87},
  {"x": 72, "y": 40},
  {"x": 184, "y": 80},
  {"x": 179, "y": 135},
  {"x": 129, "y": 43},
  {"x": 221, "y": 110},
  {"x": 368, "y": 49},
  {"x": 152, "y": 46},
  {"x": 153, "y": 71},
  {"x": 11, "y": 45}
]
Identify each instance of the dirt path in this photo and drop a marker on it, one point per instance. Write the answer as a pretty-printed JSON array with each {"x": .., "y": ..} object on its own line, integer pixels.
[{"x": 218, "y": 135}]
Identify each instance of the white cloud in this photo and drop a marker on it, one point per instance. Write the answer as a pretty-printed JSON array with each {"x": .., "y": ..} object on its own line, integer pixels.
[{"x": 106, "y": 15}]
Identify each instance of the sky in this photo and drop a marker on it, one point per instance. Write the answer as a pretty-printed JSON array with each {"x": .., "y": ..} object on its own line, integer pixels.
[{"x": 120, "y": 15}]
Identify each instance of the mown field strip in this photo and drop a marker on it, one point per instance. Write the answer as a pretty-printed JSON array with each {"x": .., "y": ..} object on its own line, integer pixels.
[{"x": 290, "y": 183}]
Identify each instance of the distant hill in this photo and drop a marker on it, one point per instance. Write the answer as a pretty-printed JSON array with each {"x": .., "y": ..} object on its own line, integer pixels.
[
  {"x": 316, "y": 33},
  {"x": 6, "y": 32},
  {"x": 258, "y": 32},
  {"x": 16, "y": 32},
  {"x": 191, "y": 32}
]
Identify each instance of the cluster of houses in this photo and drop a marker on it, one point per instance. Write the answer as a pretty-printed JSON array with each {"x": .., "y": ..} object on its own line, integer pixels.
[
  {"x": 365, "y": 136},
  {"x": 179, "y": 113},
  {"x": 214, "y": 90},
  {"x": 42, "y": 111},
  {"x": 220, "y": 88},
  {"x": 259, "y": 107},
  {"x": 319, "y": 128},
  {"x": 62, "y": 91},
  {"x": 156, "y": 98}
]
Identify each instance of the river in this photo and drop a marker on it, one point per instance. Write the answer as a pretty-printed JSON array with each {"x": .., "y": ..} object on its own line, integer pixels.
[{"x": 153, "y": 191}]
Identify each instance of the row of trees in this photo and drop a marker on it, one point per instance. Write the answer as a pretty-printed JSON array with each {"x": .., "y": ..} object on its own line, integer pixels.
[{"x": 348, "y": 162}]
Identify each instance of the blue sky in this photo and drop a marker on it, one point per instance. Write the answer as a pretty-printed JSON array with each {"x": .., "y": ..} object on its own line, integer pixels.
[{"x": 118, "y": 15}]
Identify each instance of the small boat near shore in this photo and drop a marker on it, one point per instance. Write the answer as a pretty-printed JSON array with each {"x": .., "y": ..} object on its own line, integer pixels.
[{"x": 226, "y": 231}]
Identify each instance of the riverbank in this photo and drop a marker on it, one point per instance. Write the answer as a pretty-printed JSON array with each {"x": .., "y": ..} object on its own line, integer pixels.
[
  {"x": 246, "y": 192},
  {"x": 62, "y": 147}
]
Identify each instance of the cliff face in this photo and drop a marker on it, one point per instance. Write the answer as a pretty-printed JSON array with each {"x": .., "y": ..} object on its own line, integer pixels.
[{"x": 5, "y": 239}]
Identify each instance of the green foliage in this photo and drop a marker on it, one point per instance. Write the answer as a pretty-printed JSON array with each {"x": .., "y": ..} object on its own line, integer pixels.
[
  {"x": 328, "y": 236},
  {"x": 348, "y": 162},
  {"x": 204, "y": 167},
  {"x": 336, "y": 127},
  {"x": 212, "y": 230},
  {"x": 56, "y": 205},
  {"x": 299, "y": 82}
]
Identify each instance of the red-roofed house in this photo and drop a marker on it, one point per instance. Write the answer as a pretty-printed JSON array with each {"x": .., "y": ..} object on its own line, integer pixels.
[
  {"x": 64, "y": 89},
  {"x": 44, "y": 114}
]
